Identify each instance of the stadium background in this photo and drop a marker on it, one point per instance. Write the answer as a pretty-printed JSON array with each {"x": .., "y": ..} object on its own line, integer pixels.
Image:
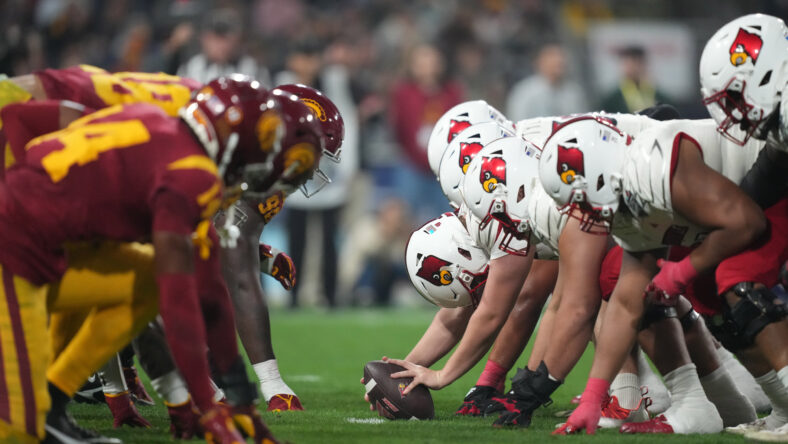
[{"x": 373, "y": 57}]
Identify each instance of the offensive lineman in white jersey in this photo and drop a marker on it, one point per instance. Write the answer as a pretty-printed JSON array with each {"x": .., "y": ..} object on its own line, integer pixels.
[
  {"x": 744, "y": 76},
  {"x": 579, "y": 272},
  {"x": 589, "y": 167}
]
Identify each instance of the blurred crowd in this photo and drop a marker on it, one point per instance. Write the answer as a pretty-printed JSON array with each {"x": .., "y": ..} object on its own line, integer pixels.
[{"x": 393, "y": 67}]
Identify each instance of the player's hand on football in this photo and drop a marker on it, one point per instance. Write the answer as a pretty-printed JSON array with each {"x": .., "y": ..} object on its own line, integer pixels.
[
  {"x": 420, "y": 375},
  {"x": 366, "y": 398}
]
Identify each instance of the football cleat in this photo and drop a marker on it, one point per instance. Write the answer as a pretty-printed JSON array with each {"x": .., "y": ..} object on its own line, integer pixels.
[
  {"x": 477, "y": 400},
  {"x": 62, "y": 429},
  {"x": 779, "y": 434},
  {"x": 284, "y": 403},
  {"x": 124, "y": 412},
  {"x": 748, "y": 427},
  {"x": 136, "y": 388},
  {"x": 91, "y": 392},
  {"x": 184, "y": 420},
  {"x": 658, "y": 424},
  {"x": 613, "y": 415}
]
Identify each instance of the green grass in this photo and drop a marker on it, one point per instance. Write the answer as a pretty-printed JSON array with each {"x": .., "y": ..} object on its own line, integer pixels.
[{"x": 322, "y": 355}]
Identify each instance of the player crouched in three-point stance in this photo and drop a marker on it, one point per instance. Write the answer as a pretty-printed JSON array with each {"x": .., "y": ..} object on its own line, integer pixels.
[
  {"x": 145, "y": 177},
  {"x": 664, "y": 188}
]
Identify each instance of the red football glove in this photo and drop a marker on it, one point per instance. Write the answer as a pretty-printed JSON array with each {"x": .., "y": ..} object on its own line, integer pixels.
[
  {"x": 124, "y": 412},
  {"x": 671, "y": 281},
  {"x": 248, "y": 419},
  {"x": 586, "y": 415},
  {"x": 184, "y": 420},
  {"x": 219, "y": 427},
  {"x": 277, "y": 265}
]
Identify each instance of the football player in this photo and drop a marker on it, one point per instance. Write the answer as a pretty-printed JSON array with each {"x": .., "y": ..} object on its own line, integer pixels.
[
  {"x": 743, "y": 82},
  {"x": 590, "y": 150},
  {"x": 525, "y": 209},
  {"x": 169, "y": 172}
]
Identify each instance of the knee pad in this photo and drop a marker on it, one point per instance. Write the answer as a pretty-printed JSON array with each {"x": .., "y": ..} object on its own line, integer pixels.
[
  {"x": 656, "y": 313},
  {"x": 688, "y": 320},
  {"x": 739, "y": 325}
]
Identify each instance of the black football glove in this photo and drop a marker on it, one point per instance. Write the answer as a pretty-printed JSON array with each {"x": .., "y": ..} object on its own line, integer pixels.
[{"x": 476, "y": 401}]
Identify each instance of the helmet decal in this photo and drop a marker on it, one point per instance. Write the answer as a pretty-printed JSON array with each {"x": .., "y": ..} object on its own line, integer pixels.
[
  {"x": 746, "y": 46},
  {"x": 456, "y": 127},
  {"x": 570, "y": 164},
  {"x": 301, "y": 157},
  {"x": 467, "y": 152},
  {"x": 493, "y": 172},
  {"x": 268, "y": 130},
  {"x": 432, "y": 271},
  {"x": 315, "y": 107}
]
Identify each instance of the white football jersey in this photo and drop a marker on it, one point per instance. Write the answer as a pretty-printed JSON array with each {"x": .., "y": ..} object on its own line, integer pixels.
[
  {"x": 490, "y": 238},
  {"x": 547, "y": 221},
  {"x": 651, "y": 222},
  {"x": 779, "y": 136}
]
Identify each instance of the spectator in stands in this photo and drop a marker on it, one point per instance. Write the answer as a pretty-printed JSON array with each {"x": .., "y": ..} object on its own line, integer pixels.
[
  {"x": 548, "y": 92},
  {"x": 417, "y": 103},
  {"x": 221, "y": 51},
  {"x": 634, "y": 91},
  {"x": 307, "y": 65}
]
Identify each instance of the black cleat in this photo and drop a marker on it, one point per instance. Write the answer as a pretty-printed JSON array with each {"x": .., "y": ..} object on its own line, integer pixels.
[{"x": 91, "y": 392}]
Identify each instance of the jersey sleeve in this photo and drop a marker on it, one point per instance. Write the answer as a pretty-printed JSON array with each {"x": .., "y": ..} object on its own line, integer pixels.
[
  {"x": 185, "y": 197},
  {"x": 74, "y": 83}
]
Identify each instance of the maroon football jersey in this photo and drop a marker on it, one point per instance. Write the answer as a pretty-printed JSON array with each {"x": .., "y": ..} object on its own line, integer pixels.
[
  {"x": 97, "y": 88},
  {"x": 118, "y": 174}
]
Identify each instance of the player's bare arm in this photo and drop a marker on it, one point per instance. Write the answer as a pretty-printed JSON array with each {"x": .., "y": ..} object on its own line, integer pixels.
[
  {"x": 708, "y": 199},
  {"x": 443, "y": 333},
  {"x": 626, "y": 307},
  {"x": 503, "y": 285}
]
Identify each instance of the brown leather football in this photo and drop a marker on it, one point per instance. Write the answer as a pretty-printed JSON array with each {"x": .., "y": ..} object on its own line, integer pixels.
[{"x": 386, "y": 393}]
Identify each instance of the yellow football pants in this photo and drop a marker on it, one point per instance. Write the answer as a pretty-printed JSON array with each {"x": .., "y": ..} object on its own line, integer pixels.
[
  {"x": 24, "y": 399},
  {"x": 104, "y": 300},
  {"x": 107, "y": 295}
]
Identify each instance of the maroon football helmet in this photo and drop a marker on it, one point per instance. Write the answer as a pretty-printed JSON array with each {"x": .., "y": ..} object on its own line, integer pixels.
[
  {"x": 327, "y": 115},
  {"x": 295, "y": 165},
  {"x": 239, "y": 123}
]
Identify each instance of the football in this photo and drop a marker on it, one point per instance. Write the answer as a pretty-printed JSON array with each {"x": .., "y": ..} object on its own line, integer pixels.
[{"x": 386, "y": 393}]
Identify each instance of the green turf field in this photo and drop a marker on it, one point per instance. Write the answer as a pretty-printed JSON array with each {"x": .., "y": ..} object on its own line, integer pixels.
[{"x": 322, "y": 357}]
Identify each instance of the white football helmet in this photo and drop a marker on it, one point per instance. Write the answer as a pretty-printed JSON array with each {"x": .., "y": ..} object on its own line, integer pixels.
[
  {"x": 459, "y": 154},
  {"x": 457, "y": 119},
  {"x": 743, "y": 73},
  {"x": 445, "y": 265},
  {"x": 495, "y": 188},
  {"x": 581, "y": 168}
]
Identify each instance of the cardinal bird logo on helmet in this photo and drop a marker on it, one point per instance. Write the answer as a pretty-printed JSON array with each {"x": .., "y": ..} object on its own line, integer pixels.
[
  {"x": 467, "y": 153},
  {"x": 456, "y": 127},
  {"x": 432, "y": 270},
  {"x": 570, "y": 164},
  {"x": 493, "y": 173},
  {"x": 746, "y": 46}
]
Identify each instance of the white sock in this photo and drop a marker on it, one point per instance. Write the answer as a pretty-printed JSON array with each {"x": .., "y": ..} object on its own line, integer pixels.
[
  {"x": 744, "y": 381},
  {"x": 732, "y": 405},
  {"x": 626, "y": 388},
  {"x": 271, "y": 383},
  {"x": 112, "y": 380},
  {"x": 171, "y": 387},
  {"x": 660, "y": 397},
  {"x": 778, "y": 395},
  {"x": 690, "y": 410}
]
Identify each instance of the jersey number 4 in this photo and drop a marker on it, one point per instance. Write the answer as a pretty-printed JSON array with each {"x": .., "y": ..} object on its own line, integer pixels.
[{"x": 83, "y": 141}]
